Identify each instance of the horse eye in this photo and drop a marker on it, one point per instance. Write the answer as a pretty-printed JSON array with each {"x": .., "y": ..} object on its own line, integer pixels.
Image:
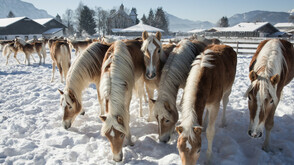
[
  {"x": 198, "y": 151},
  {"x": 158, "y": 50},
  {"x": 122, "y": 136},
  {"x": 249, "y": 98},
  {"x": 271, "y": 101},
  {"x": 166, "y": 121}
]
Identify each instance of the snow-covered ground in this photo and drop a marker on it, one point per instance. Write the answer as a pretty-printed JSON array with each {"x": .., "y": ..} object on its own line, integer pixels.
[{"x": 31, "y": 130}]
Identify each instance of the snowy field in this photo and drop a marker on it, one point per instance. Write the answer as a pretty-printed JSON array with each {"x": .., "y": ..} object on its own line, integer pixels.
[{"x": 31, "y": 130}]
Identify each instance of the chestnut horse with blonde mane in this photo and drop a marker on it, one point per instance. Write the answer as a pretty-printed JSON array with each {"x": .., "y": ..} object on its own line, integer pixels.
[
  {"x": 271, "y": 69},
  {"x": 123, "y": 65},
  {"x": 174, "y": 75},
  {"x": 85, "y": 69},
  {"x": 210, "y": 81}
]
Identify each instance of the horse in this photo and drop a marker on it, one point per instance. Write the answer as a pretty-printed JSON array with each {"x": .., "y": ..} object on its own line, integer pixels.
[
  {"x": 29, "y": 49},
  {"x": 205, "y": 40},
  {"x": 8, "y": 49},
  {"x": 79, "y": 46},
  {"x": 155, "y": 56},
  {"x": 174, "y": 75},
  {"x": 60, "y": 55},
  {"x": 202, "y": 91},
  {"x": 123, "y": 65},
  {"x": 85, "y": 69},
  {"x": 271, "y": 69}
]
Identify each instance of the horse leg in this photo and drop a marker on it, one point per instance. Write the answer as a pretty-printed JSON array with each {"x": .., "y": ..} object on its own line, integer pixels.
[
  {"x": 225, "y": 103},
  {"x": 100, "y": 100},
  {"x": 205, "y": 120},
  {"x": 15, "y": 53},
  {"x": 53, "y": 70},
  {"x": 40, "y": 61},
  {"x": 60, "y": 71},
  {"x": 145, "y": 97},
  {"x": 150, "y": 93},
  {"x": 210, "y": 131},
  {"x": 7, "y": 57},
  {"x": 269, "y": 123},
  {"x": 33, "y": 58},
  {"x": 28, "y": 58}
]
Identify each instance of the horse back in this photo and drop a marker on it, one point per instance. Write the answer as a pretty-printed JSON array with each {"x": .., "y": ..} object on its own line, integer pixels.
[{"x": 288, "y": 52}]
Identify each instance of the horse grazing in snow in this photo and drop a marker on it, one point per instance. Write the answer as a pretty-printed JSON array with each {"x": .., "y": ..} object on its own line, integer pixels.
[
  {"x": 85, "y": 69},
  {"x": 210, "y": 81},
  {"x": 271, "y": 69},
  {"x": 174, "y": 75},
  {"x": 123, "y": 65}
]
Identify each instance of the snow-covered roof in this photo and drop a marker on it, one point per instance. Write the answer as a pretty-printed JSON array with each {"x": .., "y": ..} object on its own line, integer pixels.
[
  {"x": 52, "y": 31},
  {"x": 285, "y": 25},
  {"x": 245, "y": 27},
  {"x": 140, "y": 28},
  {"x": 196, "y": 31},
  {"x": 42, "y": 21},
  {"x": 8, "y": 21}
]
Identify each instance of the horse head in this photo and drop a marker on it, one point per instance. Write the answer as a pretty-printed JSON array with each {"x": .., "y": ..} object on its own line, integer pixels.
[
  {"x": 167, "y": 117},
  {"x": 114, "y": 130},
  {"x": 189, "y": 144},
  {"x": 70, "y": 106},
  {"x": 262, "y": 101},
  {"x": 152, "y": 50}
]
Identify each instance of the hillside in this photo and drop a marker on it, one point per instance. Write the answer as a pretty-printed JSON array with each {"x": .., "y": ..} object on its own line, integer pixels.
[
  {"x": 260, "y": 16},
  {"x": 183, "y": 25},
  {"x": 20, "y": 8}
]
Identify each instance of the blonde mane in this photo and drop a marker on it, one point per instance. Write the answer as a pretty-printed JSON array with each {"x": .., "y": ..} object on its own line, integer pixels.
[
  {"x": 189, "y": 116},
  {"x": 174, "y": 74},
  {"x": 121, "y": 78},
  {"x": 269, "y": 62},
  {"x": 84, "y": 69}
]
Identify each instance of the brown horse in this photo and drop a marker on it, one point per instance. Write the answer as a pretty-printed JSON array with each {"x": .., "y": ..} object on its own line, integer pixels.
[
  {"x": 60, "y": 55},
  {"x": 123, "y": 65},
  {"x": 85, "y": 69},
  {"x": 155, "y": 56},
  {"x": 218, "y": 62},
  {"x": 79, "y": 46},
  {"x": 174, "y": 75},
  {"x": 271, "y": 69}
]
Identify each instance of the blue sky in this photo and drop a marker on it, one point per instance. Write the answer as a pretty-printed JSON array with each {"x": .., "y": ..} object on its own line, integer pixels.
[{"x": 204, "y": 10}]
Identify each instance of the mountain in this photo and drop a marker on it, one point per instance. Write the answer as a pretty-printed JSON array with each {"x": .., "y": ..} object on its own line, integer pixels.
[
  {"x": 177, "y": 24},
  {"x": 260, "y": 16},
  {"x": 20, "y": 8}
]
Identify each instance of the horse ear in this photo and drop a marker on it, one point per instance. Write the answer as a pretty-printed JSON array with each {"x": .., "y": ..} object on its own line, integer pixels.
[
  {"x": 120, "y": 120},
  {"x": 145, "y": 35},
  {"x": 103, "y": 118},
  {"x": 158, "y": 35},
  {"x": 197, "y": 130},
  {"x": 167, "y": 106},
  {"x": 60, "y": 91},
  {"x": 179, "y": 129},
  {"x": 275, "y": 79},
  {"x": 252, "y": 76}
]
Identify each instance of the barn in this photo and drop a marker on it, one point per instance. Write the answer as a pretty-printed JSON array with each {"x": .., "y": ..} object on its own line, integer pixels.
[
  {"x": 52, "y": 27},
  {"x": 23, "y": 27}
]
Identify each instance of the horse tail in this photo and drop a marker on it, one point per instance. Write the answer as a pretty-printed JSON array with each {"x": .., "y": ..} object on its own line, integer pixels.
[
  {"x": 6, "y": 49},
  {"x": 65, "y": 59}
]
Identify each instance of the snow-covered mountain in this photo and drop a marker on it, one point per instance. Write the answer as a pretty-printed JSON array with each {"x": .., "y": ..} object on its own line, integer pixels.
[
  {"x": 20, "y": 8},
  {"x": 260, "y": 16},
  {"x": 177, "y": 24}
]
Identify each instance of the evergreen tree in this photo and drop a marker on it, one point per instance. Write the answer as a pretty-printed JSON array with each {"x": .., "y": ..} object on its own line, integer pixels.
[
  {"x": 86, "y": 21},
  {"x": 223, "y": 22},
  {"x": 150, "y": 19},
  {"x": 160, "y": 20},
  {"x": 10, "y": 15},
  {"x": 58, "y": 18},
  {"x": 68, "y": 20},
  {"x": 144, "y": 19}
]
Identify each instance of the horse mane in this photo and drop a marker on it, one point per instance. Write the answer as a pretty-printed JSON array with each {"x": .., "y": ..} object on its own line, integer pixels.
[
  {"x": 175, "y": 72},
  {"x": 189, "y": 115},
  {"x": 85, "y": 68},
  {"x": 121, "y": 79},
  {"x": 270, "y": 61},
  {"x": 21, "y": 41}
]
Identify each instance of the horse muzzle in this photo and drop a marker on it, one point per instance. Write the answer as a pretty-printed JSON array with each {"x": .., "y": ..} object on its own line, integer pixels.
[
  {"x": 66, "y": 124},
  {"x": 118, "y": 157},
  {"x": 254, "y": 134},
  {"x": 165, "y": 138}
]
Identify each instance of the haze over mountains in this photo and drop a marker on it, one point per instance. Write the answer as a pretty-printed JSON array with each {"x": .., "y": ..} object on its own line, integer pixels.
[{"x": 176, "y": 24}]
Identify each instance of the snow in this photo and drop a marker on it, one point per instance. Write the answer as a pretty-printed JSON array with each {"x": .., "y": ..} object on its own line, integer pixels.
[
  {"x": 8, "y": 21},
  {"x": 140, "y": 27},
  {"x": 245, "y": 27},
  {"x": 32, "y": 132},
  {"x": 42, "y": 21}
]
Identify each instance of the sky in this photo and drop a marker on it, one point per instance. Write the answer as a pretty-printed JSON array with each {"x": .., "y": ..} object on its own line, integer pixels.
[{"x": 204, "y": 10}]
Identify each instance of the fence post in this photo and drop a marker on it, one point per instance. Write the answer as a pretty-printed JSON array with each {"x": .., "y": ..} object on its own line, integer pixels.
[{"x": 237, "y": 47}]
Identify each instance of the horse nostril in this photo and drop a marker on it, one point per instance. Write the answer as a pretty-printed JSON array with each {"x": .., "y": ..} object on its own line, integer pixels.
[
  {"x": 153, "y": 75},
  {"x": 249, "y": 132},
  {"x": 260, "y": 134}
]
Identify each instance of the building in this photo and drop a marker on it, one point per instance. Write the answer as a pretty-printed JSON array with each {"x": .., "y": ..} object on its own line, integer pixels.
[
  {"x": 257, "y": 29},
  {"x": 285, "y": 27},
  {"x": 23, "y": 27},
  {"x": 136, "y": 30},
  {"x": 52, "y": 27}
]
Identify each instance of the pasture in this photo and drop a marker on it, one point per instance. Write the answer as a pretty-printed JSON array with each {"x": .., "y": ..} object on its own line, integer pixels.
[{"x": 32, "y": 131}]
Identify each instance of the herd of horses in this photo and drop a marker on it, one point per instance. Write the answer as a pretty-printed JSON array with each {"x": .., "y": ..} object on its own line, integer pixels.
[{"x": 205, "y": 69}]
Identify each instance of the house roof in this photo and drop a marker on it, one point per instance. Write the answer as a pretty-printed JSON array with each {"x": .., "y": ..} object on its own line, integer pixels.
[
  {"x": 140, "y": 28},
  {"x": 285, "y": 25},
  {"x": 8, "y": 21},
  {"x": 196, "y": 31},
  {"x": 245, "y": 27},
  {"x": 52, "y": 31},
  {"x": 43, "y": 21}
]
